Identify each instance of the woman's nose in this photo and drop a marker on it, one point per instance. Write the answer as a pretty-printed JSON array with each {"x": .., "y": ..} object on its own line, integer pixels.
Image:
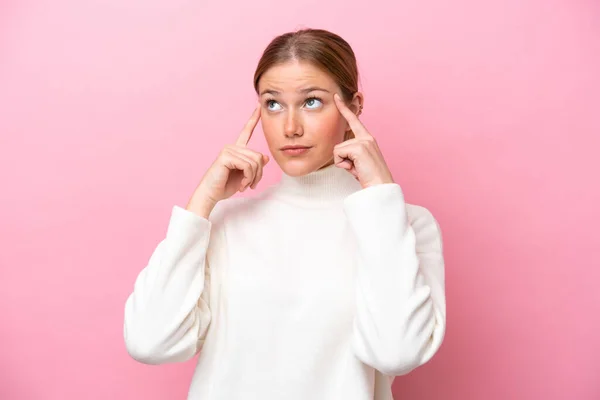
[{"x": 293, "y": 126}]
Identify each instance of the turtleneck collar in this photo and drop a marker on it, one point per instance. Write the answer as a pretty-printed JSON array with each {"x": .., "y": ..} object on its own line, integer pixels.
[{"x": 322, "y": 187}]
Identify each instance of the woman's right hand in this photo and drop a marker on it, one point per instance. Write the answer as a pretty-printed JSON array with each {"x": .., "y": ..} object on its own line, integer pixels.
[{"x": 235, "y": 169}]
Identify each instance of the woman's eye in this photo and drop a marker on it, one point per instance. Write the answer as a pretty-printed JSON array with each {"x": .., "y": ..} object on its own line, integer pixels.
[
  {"x": 272, "y": 104},
  {"x": 313, "y": 103}
]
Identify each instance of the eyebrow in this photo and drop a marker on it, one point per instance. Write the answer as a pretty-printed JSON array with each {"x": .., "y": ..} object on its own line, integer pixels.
[{"x": 306, "y": 90}]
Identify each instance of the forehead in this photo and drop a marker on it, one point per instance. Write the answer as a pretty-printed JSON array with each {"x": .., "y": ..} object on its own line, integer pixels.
[{"x": 294, "y": 75}]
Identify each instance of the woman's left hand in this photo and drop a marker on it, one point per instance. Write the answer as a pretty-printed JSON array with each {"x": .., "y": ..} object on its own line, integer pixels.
[{"x": 360, "y": 156}]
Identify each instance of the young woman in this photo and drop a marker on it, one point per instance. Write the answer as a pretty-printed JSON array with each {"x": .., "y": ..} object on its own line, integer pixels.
[{"x": 325, "y": 285}]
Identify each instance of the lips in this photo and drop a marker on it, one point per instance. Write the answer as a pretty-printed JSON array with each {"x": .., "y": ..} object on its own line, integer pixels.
[
  {"x": 295, "y": 150},
  {"x": 294, "y": 147}
]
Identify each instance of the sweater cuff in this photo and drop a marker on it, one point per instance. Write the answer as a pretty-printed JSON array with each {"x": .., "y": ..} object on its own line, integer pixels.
[
  {"x": 186, "y": 223},
  {"x": 372, "y": 208}
]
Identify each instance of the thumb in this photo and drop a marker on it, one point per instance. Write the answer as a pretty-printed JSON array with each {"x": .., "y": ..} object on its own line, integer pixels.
[{"x": 266, "y": 159}]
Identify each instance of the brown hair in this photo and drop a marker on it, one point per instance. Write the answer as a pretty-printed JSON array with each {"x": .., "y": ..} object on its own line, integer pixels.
[{"x": 321, "y": 48}]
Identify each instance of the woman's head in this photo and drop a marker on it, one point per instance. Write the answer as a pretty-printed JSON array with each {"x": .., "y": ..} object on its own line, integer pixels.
[{"x": 296, "y": 78}]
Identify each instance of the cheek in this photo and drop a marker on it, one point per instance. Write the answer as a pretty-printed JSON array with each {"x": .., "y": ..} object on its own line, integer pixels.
[
  {"x": 269, "y": 128},
  {"x": 327, "y": 126}
]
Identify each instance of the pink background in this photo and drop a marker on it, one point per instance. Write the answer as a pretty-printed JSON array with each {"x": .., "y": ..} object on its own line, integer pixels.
[{"x": 487, "y": 112}]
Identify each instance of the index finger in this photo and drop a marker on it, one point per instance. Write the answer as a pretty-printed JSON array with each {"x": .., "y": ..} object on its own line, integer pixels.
[
  {"x": 246, "y": 133},
  {"x": 357, "y": 127}
]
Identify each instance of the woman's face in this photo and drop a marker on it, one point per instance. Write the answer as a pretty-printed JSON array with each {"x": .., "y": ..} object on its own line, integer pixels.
[{"x": 298, "y": 110}]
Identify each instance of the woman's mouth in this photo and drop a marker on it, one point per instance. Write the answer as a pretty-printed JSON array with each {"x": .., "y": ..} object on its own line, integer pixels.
[{"x": 295, "y": 150}]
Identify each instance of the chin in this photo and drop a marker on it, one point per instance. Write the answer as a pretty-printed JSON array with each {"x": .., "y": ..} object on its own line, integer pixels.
[{"x": 298, "y": 167}]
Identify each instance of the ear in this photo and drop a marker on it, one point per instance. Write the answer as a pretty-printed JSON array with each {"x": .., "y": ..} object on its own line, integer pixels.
[
  {"x": 357, "y": 102},
  {"x": 356, "y": 105}
]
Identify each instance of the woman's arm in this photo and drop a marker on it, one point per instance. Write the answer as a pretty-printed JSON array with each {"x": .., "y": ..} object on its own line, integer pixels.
[
  {"x": 167, "y": 315},
  {"x": 401, "y": 308}
]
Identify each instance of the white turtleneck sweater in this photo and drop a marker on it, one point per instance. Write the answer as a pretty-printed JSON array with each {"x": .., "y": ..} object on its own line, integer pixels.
[{"x": 313, "y": 289}]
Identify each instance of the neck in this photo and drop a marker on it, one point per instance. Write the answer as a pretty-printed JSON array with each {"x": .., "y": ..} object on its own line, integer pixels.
[{"x": 325, "y": 186}]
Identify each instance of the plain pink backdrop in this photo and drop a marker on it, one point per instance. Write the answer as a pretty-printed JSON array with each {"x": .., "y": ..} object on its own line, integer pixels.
[{"x": 487, "y": 112}]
